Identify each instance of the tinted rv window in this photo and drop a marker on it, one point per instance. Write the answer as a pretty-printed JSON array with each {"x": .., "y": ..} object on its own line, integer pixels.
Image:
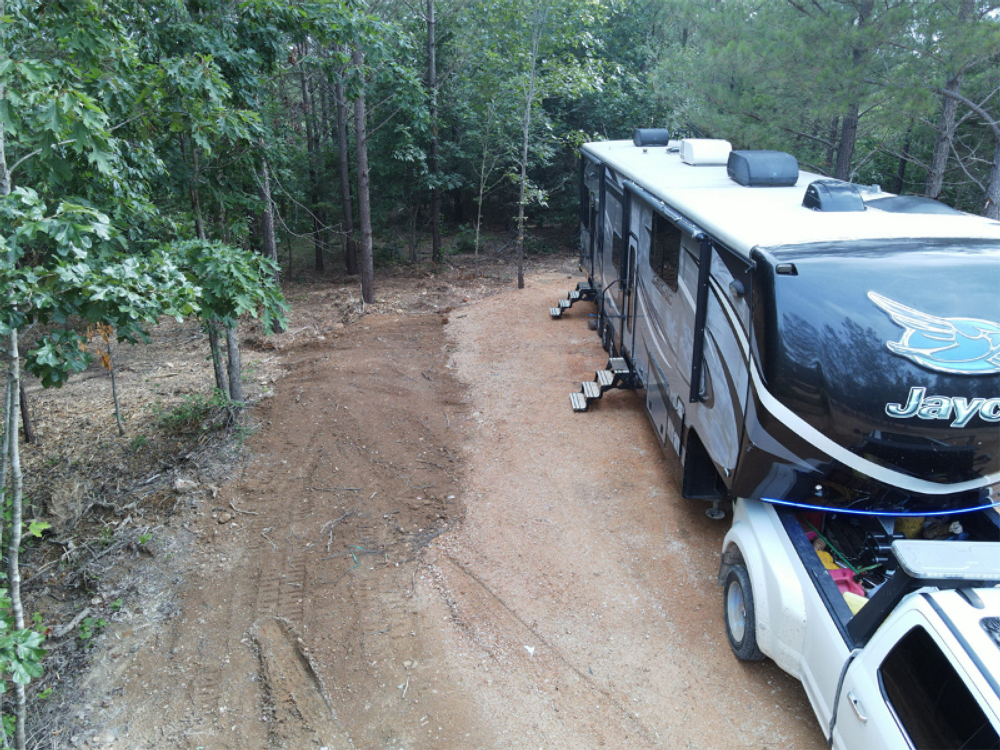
[
  {"x": 613, "y": 210},
  {"x": 665, "y": 250},
  {"x": 931, "y": 701},
  {"x": 617, "y": 247}
]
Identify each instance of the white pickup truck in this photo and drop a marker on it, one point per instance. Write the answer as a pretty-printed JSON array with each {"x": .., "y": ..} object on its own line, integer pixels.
[{"x": 918, "y": 666}]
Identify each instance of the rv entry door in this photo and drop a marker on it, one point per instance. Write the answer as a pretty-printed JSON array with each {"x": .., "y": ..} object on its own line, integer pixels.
[
  {"x": 624, "y": 263},
  {"x": 626, "y": 334}
]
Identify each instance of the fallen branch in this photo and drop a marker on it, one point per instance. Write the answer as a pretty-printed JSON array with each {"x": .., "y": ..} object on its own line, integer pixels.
[
  {"x": 264, "y": 534},
  {"x": 244, "y": 512},
  {"x": 332, "y": 525},
  {"x": 65, "y": 629}
]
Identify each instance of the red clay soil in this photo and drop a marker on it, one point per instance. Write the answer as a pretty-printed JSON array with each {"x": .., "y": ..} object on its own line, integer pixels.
[{"x": 429, "y": 549}]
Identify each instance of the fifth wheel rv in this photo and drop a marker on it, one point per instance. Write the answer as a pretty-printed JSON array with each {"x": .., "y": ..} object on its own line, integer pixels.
[{"x": 826, "y": 356}]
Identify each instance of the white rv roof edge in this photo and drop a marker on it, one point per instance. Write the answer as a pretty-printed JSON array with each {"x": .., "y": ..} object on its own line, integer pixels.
[{"x": 769, "y": 216}]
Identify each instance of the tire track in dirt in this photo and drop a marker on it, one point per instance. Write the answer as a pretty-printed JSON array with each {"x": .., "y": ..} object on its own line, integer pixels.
[
  {"x": 354, "y": 471},
  {"x": 295, "y": 700}
]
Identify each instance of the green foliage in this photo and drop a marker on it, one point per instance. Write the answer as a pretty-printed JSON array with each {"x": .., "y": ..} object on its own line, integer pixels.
[
  {"x": 78, "y": 275},
  {"x": 37, "y": 528},
  {"x": 21, "y": 651},
  {"x": 195, "y": 412},
  {"x": 796, "y": 76},
  {"x": 465, "y": 240},
  {"x": 89, "y": 627},
  {"x": 233, "y": 282}
]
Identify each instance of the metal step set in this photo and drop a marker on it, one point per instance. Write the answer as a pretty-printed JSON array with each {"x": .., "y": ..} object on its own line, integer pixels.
[
  {"x": 584, "y": 291},
  {"x": 617, "y": 374}
]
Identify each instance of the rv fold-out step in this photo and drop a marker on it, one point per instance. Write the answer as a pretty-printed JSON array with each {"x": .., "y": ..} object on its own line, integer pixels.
[
  {"x": 619, "y": 366},
  {"x": 618, "y": 374},
  {"x": 584, "y": 291}
]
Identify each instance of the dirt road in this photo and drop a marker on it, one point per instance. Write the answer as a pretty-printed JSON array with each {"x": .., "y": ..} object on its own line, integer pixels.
[{"x": 431, "y": 550}]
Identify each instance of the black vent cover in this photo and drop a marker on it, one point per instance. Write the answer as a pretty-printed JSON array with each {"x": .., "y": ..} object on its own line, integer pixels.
[
  {"x": 833, "y": 196},
  {"x": 763, "y": 168},
  {"x": 913, "y": 204},
  {"x": 651, "y": 137}
]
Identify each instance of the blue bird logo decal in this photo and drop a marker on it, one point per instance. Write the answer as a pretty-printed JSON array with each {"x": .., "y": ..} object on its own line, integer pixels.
[{"x": 960, "y": 346}]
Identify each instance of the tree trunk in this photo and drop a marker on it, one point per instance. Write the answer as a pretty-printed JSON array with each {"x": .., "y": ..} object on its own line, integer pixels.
[
  {"x": 9, "y": 428},
  {"x": 199, "y": 226},
  {"x": 991, "y": 207},
  {"x": 221, "y": 381},
  {"x": 269, "y": 245},
  {"x": 312, "y": 151},
  {"x": 351, "y": 245},
  {"x": 364, "y": 201},
  {"x": 845, "y": 148},
  {"x": 904, "y": 159},
  {"x": 526, "y": 136},
  {"x": 324, "y": 133},
  {"x": 12, "y": 457},
  {"x": 114, "y": 393},
  {"x": 849, "y": 126},
  {"x": 945, "y": 131},
  {"x": 991, "y": 210},
  {"x": 413, "y": 216},
  {"x": 436, "y": 256},
  {"x": 235, "y": 366},
  {"x": 26, "y": 423},
  {"x": 14, "y": 547},
  {"x": 944, "y": 135}
]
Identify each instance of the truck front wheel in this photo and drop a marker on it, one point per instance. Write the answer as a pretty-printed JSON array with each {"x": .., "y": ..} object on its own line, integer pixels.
[{"x": 740, "y": 615}]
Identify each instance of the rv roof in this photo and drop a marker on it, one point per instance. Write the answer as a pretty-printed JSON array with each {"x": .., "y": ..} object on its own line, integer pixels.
[{"x": 747, "y": 217}]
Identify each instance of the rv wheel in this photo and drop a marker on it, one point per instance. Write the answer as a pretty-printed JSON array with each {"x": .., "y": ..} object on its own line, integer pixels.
[
  {"x": 740, "y": 615},
  {"x": 606, "y": 336}
]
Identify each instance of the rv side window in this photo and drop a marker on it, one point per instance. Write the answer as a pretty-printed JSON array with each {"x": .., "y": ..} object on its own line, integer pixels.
[
  {"x": 589, "y": 188},
  {"x": 617, "y": 250},
  {"x": 613, "y": 227},
  {"x": 931, "y": 701},
  {"x": 665, "y": 250}
]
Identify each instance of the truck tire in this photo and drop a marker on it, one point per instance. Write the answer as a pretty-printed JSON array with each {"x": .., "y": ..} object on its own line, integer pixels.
[{"x": 740, "y": 615}]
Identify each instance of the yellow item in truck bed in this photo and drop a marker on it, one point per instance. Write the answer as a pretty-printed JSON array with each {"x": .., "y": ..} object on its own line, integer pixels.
[
  {"x": 827, "y": 559},
  {"x": 854, "y": 601},
  {"x": 910, "y": 527}
]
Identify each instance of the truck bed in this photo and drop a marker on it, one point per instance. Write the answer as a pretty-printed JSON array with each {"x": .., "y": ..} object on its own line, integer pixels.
[{"x": 981, "y": 526}]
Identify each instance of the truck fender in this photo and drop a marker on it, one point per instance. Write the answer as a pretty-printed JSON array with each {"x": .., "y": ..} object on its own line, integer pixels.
[{"x": 757, "y": 539}]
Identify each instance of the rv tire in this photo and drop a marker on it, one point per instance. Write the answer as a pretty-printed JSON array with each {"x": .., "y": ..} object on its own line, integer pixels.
[{"x": 740, "y": 615}]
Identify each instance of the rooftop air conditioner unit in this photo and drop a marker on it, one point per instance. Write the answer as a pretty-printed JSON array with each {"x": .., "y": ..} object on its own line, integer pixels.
[{"x": 703, "y": 152}]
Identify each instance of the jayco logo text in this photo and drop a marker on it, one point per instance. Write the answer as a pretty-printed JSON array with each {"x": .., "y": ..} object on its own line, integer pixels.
[{"x": 922, "y": 406}]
